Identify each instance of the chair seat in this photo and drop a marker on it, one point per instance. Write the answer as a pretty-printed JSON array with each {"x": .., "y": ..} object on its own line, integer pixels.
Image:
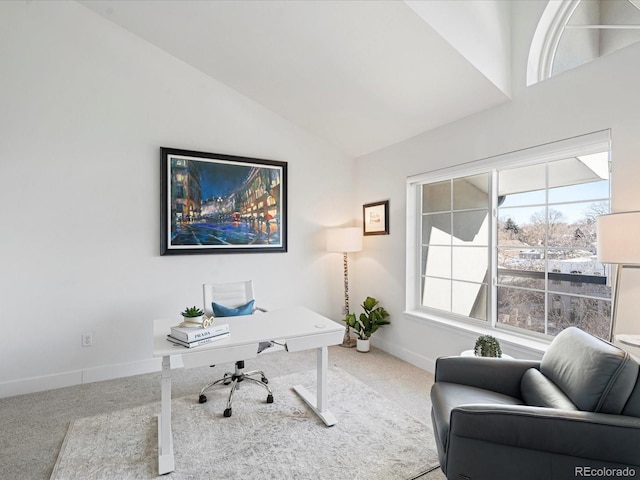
[{"x": 447, "y": 396}]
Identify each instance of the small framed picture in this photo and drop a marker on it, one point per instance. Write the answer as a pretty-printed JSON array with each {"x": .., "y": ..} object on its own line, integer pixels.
[{"x": 375, "y": 218}]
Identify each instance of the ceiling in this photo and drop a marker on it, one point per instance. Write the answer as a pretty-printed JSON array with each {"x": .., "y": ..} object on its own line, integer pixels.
[{"x": 360, "y": 74}]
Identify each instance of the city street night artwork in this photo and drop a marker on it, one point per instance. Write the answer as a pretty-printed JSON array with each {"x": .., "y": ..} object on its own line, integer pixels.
[{"x": 214, "y": 203}]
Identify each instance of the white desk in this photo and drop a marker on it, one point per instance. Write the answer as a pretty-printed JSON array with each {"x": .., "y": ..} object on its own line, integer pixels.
[{"x": 300, "y": 328}]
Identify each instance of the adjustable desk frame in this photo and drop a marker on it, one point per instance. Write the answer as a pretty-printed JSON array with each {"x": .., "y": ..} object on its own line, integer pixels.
[{"x": 300, "y": 328}]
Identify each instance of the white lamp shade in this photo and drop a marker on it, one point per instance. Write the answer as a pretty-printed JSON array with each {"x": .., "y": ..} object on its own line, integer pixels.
[
  {"x": 619, "y": 238},
  {"x": 347, "y": 239}
]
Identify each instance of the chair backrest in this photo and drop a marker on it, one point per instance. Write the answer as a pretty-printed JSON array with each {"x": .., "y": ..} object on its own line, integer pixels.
[
  {"x": 230, "y": 295},
  {"x": 596, "y": 375}
]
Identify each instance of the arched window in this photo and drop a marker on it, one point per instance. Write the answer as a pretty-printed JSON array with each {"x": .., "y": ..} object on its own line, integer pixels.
[{"x": 573, "y": 32}]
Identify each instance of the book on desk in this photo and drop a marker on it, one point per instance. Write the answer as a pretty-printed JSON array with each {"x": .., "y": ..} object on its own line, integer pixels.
[{"x": 195, "y": 337}]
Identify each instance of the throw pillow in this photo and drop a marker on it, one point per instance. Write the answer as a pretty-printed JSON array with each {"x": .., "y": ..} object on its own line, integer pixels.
[{"x": 222, "y": 311}]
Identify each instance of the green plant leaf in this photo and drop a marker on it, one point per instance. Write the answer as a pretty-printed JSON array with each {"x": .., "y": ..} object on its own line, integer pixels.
[
  {"x": 191, "y": 312},
  {"x": 369, "y": 304}
]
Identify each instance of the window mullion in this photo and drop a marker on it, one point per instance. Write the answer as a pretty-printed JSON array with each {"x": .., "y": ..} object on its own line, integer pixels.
[{"x": 493, "y": 250}]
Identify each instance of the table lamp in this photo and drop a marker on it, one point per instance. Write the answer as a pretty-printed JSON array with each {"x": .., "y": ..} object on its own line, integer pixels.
[
  {"x": 618, "y": 243},
  {"x": 345, "y": 240}
]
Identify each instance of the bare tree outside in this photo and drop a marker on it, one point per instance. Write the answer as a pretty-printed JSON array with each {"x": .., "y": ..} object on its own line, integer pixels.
[{"x": 549, "y": 264}]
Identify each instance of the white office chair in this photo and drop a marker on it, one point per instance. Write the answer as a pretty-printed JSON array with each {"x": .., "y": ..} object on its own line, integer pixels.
[{"x": 229, "y": 297}]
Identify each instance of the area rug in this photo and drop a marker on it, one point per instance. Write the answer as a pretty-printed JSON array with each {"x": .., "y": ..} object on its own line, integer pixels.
[{"x": 373, "y": 439}]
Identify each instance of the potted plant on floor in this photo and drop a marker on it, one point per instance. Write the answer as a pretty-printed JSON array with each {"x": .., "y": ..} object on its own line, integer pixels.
[
  {"x": 487, "y": 346},
  {"x": 367, "y": 323}
]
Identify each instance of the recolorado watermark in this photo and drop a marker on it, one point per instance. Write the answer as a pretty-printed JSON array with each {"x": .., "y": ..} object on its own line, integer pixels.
[{"x": 604, "y": 472}]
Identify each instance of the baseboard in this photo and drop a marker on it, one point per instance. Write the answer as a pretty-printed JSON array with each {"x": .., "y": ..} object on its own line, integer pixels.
[
  {"x": 420, "y": 361},
  {"x": 78, "y": 377},
  {"x": 109, "y": 372}
]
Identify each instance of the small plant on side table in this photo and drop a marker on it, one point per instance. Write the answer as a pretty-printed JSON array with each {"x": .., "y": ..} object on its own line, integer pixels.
[
  {"x": 368, "y": 322},
  {"x": 487, "y": 346}
]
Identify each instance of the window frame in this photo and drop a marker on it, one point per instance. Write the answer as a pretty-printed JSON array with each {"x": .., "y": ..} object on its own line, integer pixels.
[{"x": 575, "y": 146}]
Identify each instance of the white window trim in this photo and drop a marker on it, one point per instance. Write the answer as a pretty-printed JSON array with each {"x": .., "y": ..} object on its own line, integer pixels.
[
  {"x": 546, "y": 39},
  {"x": 575, "y": 146}
]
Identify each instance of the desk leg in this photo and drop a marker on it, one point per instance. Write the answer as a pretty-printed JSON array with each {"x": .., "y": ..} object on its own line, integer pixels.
[
  {"x": 320, "y": 405},
  {"x": 166, "y": 462}
]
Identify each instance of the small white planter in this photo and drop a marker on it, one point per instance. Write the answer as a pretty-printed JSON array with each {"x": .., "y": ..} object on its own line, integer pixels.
[
  {"x": 363, "y": 345},
  {"x": 193, "y": 319}
]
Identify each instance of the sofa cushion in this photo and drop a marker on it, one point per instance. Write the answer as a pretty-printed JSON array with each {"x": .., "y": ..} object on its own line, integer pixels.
[
  {"x": 632, "y": 407},
  {"x": 539, "y": 391},
  {"x": 447, "y": 396},
  {"x": 595, "y": 375}
]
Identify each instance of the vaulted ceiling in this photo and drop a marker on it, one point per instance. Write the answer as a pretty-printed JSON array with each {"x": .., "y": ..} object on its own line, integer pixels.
[{"x": 360, "y": 74}]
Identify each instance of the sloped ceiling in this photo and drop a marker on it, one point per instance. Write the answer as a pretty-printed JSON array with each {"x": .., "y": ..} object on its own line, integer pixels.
[{"x": 360, "y": 74}]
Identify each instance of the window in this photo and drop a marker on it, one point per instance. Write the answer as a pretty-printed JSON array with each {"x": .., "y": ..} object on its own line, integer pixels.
[
  {"x": 573, "y": 32},
  {"x": 510, "y": 242}
]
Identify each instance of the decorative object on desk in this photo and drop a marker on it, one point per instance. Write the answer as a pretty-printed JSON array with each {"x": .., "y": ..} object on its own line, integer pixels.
[
  {"x": 617, "y": 237},
  {"x": 345, "y": 240},
  {"x": 487, "y": 346},
  {"x": 375, "y": 218},
  {"x": 188, "y": 334},
  {"x": 192, "y": 317},
  {"x": 368, "y": 323},
  {"x": 214, "y": 203},
  {"x": 198, "y": 343}
]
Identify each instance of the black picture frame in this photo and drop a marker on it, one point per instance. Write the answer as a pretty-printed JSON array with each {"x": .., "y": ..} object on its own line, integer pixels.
[
  {"x": 375, "y": 218},
  {"x": 216, "y": 203}
]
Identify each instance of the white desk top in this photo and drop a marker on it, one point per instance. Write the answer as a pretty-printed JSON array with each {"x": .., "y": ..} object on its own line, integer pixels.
[{"x": 287, "y": 323}]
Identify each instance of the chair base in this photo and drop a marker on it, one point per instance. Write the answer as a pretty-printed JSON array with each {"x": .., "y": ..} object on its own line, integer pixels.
[{"x": 234, "y": 380}]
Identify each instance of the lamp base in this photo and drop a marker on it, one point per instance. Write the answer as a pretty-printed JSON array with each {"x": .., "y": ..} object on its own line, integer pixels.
[{"x": 348, "y": 343}]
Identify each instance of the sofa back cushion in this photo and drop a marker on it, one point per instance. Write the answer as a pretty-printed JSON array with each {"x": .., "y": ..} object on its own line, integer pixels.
[
  {"x": 538, "y": 391},
  {"x": 595, "y": 375}
]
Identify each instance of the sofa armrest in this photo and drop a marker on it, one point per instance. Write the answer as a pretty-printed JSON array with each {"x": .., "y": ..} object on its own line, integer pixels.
[
  {"x": 595, "y": 436},
  {"x": 496, "y": 374}
]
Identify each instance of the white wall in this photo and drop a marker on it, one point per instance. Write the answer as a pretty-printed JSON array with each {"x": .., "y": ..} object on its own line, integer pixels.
[
  {"x": 84, "y": 108},
  {"x": 600, "y": 95},
  {"x": 479, "y": 30}
]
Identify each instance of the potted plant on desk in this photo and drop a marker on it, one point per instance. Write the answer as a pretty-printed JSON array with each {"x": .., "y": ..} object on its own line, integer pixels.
[
  {"x": 192, "y": 316},
  {"x": 367, "y": 323}
]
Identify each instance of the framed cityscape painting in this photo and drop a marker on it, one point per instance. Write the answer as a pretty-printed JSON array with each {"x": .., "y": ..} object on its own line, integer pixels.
[{"x": 214, "y": 203}]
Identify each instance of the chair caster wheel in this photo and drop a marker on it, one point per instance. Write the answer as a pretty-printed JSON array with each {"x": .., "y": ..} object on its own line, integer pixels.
[
  {"x": 202, "y": 399},
  {"x": 227, "y": 412},
  {"x": 270, "y": 399},
  {"x": 265, "y": 380}
]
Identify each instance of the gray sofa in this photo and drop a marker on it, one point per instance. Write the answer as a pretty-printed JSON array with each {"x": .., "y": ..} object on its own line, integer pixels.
[{"x": 575, "y": 413}]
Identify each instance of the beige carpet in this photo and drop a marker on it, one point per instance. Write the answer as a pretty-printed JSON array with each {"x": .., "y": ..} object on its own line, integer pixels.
[{"x": 374, "y": 438}]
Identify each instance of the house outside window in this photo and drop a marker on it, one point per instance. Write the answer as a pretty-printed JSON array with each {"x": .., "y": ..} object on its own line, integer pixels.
[{"x": 510, "y": 242}]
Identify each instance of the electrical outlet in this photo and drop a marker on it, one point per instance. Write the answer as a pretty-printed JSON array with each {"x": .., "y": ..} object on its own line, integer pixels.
[{"x": 87, "y": 339}]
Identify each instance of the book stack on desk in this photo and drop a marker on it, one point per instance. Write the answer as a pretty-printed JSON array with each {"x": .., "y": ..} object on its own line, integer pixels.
[{"x": 194, "y": 337}]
